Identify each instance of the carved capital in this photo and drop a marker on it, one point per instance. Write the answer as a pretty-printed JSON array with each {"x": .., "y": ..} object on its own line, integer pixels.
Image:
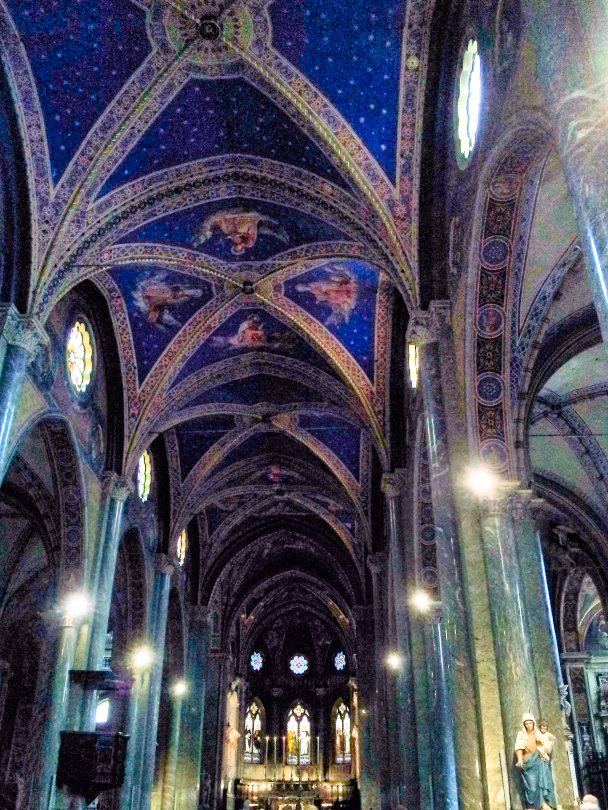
[
  {"x": 377, "y": 562},
  {"x": 420, "y": 329},
  {"x": 165, "y": 564},
  {"x": 24, "y": 331},
  {"x": 440, "y": 313},
  {"x": 393, "y": 484},
  {"x": 200, "y": 615},
  {"x": 116, "y": 486},
  {"x": 500, "y": 502}
]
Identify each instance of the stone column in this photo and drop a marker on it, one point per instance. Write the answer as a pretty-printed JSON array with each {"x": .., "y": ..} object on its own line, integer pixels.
[
  {"x": 569, "y": 42},
  {"x": 453, "y": 631},
  {"x": 516, "y": 679},
  {"x": 377, "y": 564},
  {"x": 133, "y": 727},
  {"x": 193, "y": 712},
  {"x": 21, "y": 336},
  {"x": 170, "y": 770},
  {"x": 165, "y": 567},
  {"x": 524, "y": 512},
  {"x": 369, "y": 744},
  {"x": 65, "y": 646},
  {"x": 402, "y": 715},
  {"x": 442, "y": 788},
  {"x": 116, "y": 490},
  {"x": 213, "y": 731}
]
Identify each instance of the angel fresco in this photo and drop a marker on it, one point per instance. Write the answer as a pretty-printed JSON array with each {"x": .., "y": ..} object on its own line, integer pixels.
[
  {"x": 338, "y": 289},
  {"x": 155, "y": 296},
  {"x": 241, "y": 228},
  {"x": 252, "y": 334}
]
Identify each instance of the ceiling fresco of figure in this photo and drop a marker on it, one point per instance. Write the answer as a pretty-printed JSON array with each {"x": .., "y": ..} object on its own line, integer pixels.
[{"x": 241, "y": 194}]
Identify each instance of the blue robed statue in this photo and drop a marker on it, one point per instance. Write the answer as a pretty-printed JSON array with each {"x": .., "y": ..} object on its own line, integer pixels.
[{"x": 534, "y": 763}]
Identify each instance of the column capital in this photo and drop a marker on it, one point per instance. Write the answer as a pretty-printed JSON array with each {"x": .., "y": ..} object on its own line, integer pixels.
[
  {"x": 427, "y": 327},
  {"x": 376, "y": 562},
  {"x": 165, "y": 564},
  {"x": 393, "y": 484},
  {"x": 420, "y": 329},
  {"x": 500, "y": 503},
  {"x": 116, "y": 486},
  {"x": 524, "y": 503},
  {"x": 24, "y": 331},
  {"x": 199, "y": 614}
]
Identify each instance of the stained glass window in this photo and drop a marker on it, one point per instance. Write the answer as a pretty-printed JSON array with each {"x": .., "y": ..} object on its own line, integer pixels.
[
  {"x": 340, "y": 661},
  {"x": 182, "y": 547},
  {"x": 298, "y": 736},
  {"x": 144, "y": 476},
  {"x": 256, "y": 661},
  {"x": 342, "y": 741},
  {"x": 298, "y": 664},
  {"x": 469, "y": 99},
  {"x": 253, "y": 734},
  {"x": 79, "y": 357}
]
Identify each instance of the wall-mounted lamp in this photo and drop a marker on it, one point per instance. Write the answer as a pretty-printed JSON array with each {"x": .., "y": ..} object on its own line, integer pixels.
[
  {"x": 142, "y": 657},
  {"x": 422, "y": 601},
  {"x": 179, "y": 688},
  {"x": 481, "y": 481},
  {"x": 76, "y": 606},
  {"x": 393, "y": 661}
]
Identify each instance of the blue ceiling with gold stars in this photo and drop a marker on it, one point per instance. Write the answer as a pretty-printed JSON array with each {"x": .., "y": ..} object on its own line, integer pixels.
[{"x": 234, "y": 196}]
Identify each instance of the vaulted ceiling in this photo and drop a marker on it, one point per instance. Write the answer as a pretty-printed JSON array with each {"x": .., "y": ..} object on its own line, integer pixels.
[{"x": 238, "y": 182}]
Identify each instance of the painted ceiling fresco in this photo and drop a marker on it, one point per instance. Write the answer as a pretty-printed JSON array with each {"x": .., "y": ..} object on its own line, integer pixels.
[
  {"x": 238, "y": 194},
  {"x": 245, "y": 229}
]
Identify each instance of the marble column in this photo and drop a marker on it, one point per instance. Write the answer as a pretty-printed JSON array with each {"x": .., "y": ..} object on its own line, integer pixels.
[
  {"x": 213, "y": 729},
  {"x": 568, "y": 37},
  {"x": 193, "y": 712},
  {"x": 377, "y": 564},
  {"x": 460, "y": 737},
  {"x": 165, "y": 567},
  {"x": 369, "y": 744},
  {"x": 525, "y": 512},
  {"x": 170, "y": 768},
  {"x": 516, "y": 678},
  {"x": 134, "y": 726},
  {"x": 442, "y": 786},
  {"x": 21, "y": 336},
  {"x": 115, "y": 492},
  {"x": 65, "y": 647},
  {"x": 402, "y": 714}
]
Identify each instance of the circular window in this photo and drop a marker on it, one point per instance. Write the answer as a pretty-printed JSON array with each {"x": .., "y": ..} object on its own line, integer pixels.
[
  {"x": 469, "y": 100},
  {"x": 256, "y": 661},
  {"x": 79, "y": 357},
  {"x": 298, "y": 664},
  {"x": 182, "y": 547},
  {"x": 144, "y": 476},
  {"x": 340, "y": 661}
]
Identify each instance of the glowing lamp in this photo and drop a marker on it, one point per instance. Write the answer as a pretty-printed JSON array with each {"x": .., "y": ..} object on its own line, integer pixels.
[
  {"x": 421, "y": 600},
  {"x": 393, "y": 661},
  {"x": 481, "y": 481},
  {"x": 180, "y": 688},
  {"x": 76, "y": 605},
  {"x": 142, "y": 657}
]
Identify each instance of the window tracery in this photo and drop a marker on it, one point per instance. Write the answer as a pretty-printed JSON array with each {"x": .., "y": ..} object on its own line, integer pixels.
[
  {"x": 342, "y": 734},
  {"x": 253, "y": 735},
  {"x": 144, "y": 476},
  {"x": 79, "y": 357},
  {"x": 298, "y": 736}
]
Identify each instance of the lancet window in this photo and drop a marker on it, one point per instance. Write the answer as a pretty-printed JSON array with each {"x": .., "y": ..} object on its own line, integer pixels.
[
  {"x": 298, "y": 736},
  {"x": 342, "y": 734},
  {"x": 253, "y": 734}
]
